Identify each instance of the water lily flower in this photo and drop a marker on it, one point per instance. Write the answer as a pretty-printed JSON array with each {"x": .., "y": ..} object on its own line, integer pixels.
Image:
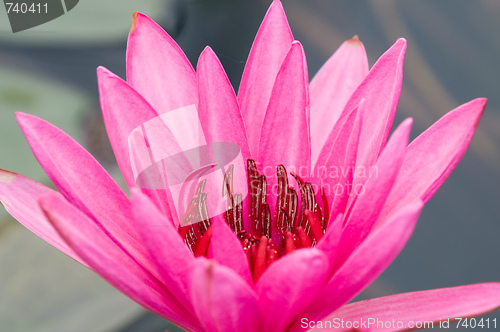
[{"x": 316, "y": 201}]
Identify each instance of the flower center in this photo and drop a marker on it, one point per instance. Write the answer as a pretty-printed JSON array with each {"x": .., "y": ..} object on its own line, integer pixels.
[{"x": 267, "y": 237}]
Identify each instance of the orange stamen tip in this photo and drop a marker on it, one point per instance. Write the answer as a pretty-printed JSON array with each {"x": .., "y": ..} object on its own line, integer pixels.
[
  {"x": 134, "y": 22},
  {"x": 354, "y": 41}
]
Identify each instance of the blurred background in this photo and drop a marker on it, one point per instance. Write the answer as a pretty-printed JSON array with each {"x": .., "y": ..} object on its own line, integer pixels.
[{"x": 49, "y": 71}]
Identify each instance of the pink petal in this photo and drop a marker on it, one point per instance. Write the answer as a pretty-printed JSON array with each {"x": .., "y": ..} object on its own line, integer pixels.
[
  {"x": 108, "y": 259},
  {"x": 157, "y": 68},
  {"x": 227, "y": 250},
  {"x": 341, "y": 157},
  {"x": 424, "y": 306},
  {"x": 289, "y": 285},
  {"x": 285, "y": 133},
  {"x": 433, "y": 155},
  {"x": 219, "y": 112},
  {"x": 79, "y": 177},
  {"x": 19, "y": 195},
  {"x": 125, "y": 110},
  {"x": 366, "y": 263},
  {"x": 269, "y": 49},
  {"x": 380, "y": 90},
  {"x": 222, "y": 300},
  {"x": 329, "y": 242},
  {"x": 372, "y": 195},
  {"x": 332, "y": 87},
  {"x": 166, "y": 248}
]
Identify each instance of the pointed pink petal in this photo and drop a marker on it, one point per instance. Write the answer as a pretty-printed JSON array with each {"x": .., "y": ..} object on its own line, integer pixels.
[
  {"x": 380, "y": 89},
  {"x": 372, "y": 195},
  {"x": 82, "y": 181},
  {"x": 166, "y": 248},
  {"x": 424, "y": 306},
  {"x": 341, "y": 201},
  {"x": 289, "y": 285},
  {"x": 332, "y": 87},
  {"x": 285, "y": 136},
  {"x": 123, "y": 111},
  {"x": 157, "y": 68},
  {"x": 75, "y": 173},
  {"x": 433, "y": 155},
  {"x": 227, "y": 250},
  {"x": 285, "y": 132},
  {"x": 366, "y": 263},
  {"x": 335, "y": 169},
  {"x": 218, "y": 109},
  {"x": 19, "y": 195},
  {"x": 222, "y": 300},
  {"x": 108, "y": 259},
  {"x": 272, "y": 43}
]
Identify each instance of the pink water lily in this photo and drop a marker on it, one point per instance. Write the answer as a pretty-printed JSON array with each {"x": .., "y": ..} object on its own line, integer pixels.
[{"x": 330, "y": 201}]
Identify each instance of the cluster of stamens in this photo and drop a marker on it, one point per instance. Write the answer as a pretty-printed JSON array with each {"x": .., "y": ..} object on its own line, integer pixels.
[{"x": 268, "y": 237}]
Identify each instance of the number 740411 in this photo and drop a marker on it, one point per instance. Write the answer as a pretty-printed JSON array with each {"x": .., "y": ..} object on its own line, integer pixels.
[
  {"x": 23, "y": 8},
  {"x": 476, "y": 323}
]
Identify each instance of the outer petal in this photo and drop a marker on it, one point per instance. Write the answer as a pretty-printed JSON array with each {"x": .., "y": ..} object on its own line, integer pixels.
[
  {"x": 332, "y": 87},
  {"x": 269, "y": 49},
  {"x": 107, "y": 259},
  {"x": 366, "y": 209},
  {"x": 227, "y": 250},
  {"x": 83, "y": 181},
  {"x": 77, "y": 175},
  {"x": 424, "y": 306},
  {"x": 433, "y": 155},
  {"x": 380, "y": 90},
  {"x": 342, "y": 157},
  {"x": 157, "y": 68},
  {"x": 123, "y": 111},
  {"x": 166, "y": 248},
  {"x": 366, "y": 263},
  {"x": 289, "y": 285},
  {"x": 219, "y": 112},
  {"x": 328, "y": 244},
  {"x": 19, "y": 195},
  {"x": 222, "y": 300},
  {"x": 285, "y": 132}
]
